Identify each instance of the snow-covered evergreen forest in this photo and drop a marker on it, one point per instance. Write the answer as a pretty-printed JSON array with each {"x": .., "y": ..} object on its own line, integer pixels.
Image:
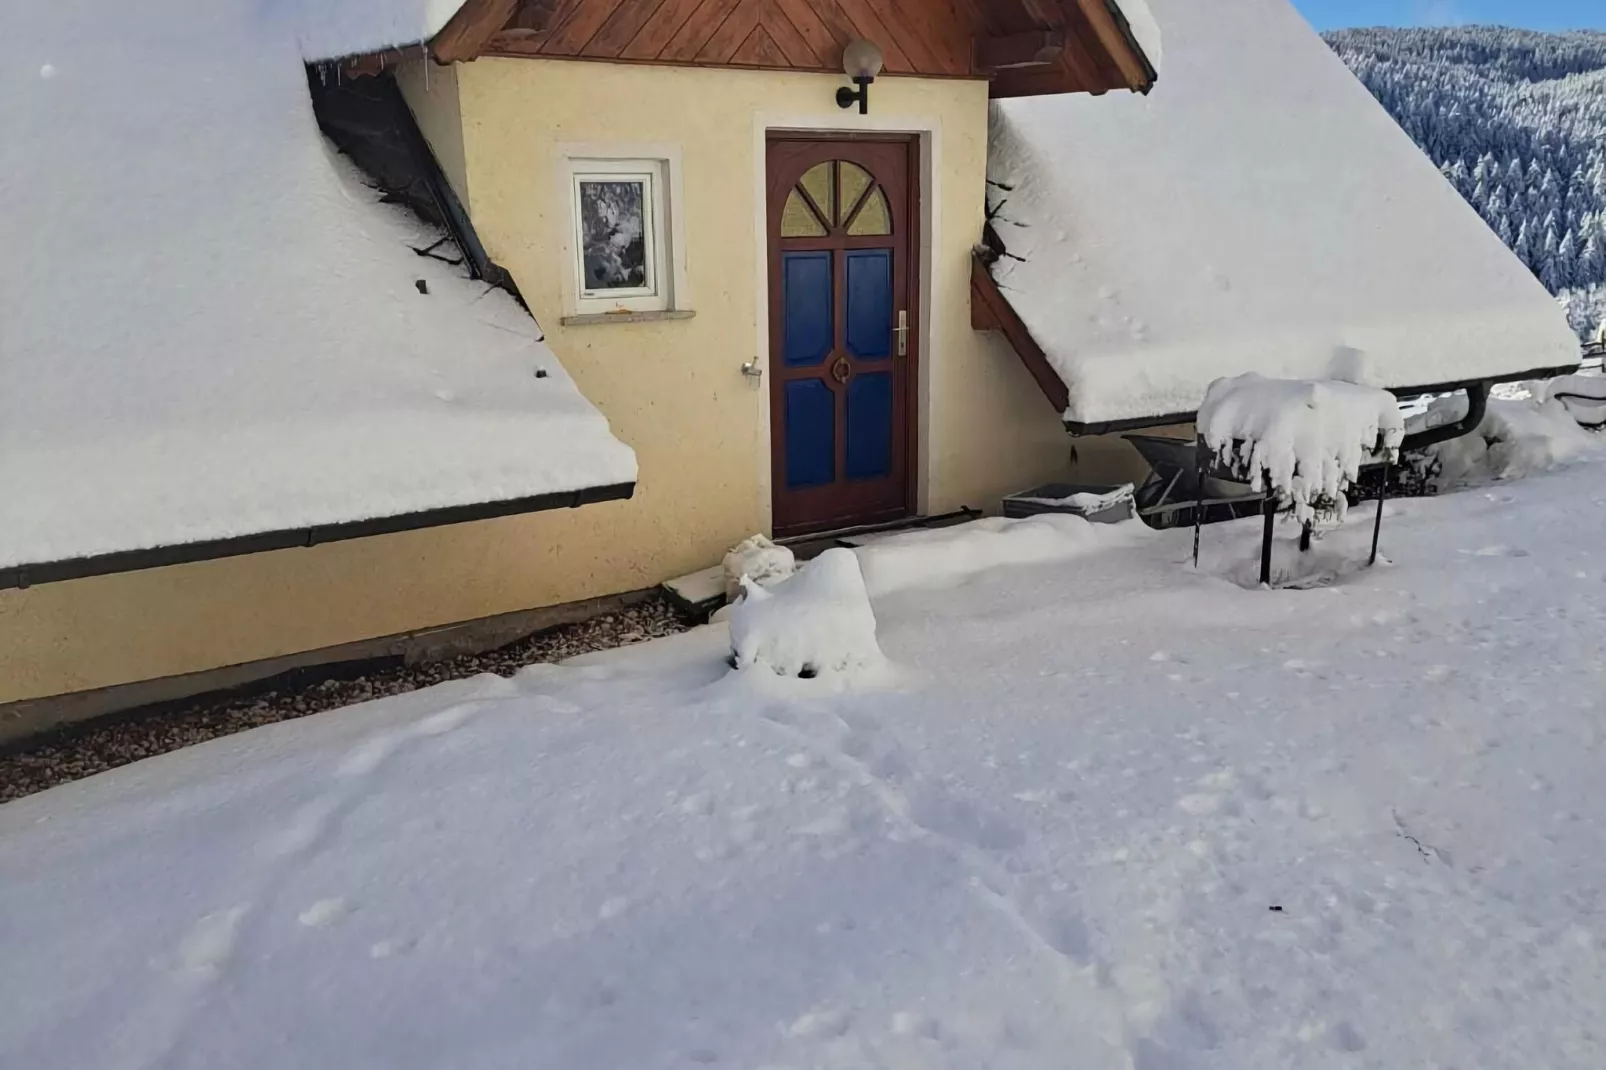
[{"x": 1517, "y": 121}]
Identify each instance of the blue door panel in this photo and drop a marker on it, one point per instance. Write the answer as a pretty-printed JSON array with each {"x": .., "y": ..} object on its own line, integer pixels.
[
  {"x": 810, "y": 434},
  {"x": 870, "y": 426},
  {"x": 869, "y": 302},
  {"x": 806, "y": 293}
]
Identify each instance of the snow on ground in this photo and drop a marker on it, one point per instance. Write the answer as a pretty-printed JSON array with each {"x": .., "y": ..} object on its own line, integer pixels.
[
  {"x": 209, "y": 328},
  {"x": 1257, "y": 211},
  {"x": 1114, "y": 814}
]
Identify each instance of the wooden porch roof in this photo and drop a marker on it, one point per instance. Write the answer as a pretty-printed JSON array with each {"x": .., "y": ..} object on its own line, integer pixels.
[{"x": 1023, "y": 47}]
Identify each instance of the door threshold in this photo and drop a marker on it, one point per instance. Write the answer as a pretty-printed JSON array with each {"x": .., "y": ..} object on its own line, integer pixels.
[{"x": 817, "y": 542}]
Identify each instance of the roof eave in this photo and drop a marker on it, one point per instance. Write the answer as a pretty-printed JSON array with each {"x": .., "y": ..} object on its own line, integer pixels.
[
  {"x": 74, "y": 568},
  {"x": 991, "y": 310}
]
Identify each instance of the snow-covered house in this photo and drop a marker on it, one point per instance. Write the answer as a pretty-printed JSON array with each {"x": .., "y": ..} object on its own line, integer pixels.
[{"x": 754, "y": 297}]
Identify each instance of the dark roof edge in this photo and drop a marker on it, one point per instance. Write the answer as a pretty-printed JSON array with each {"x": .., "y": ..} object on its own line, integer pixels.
[
  {"x": 73, "y": 568},
  {"x": 1139, "y": 423},
  {"x": 1132, "y": 42}
]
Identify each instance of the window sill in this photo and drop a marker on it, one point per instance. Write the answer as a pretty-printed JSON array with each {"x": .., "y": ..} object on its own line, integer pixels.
[{"x": 591, "y": 318}]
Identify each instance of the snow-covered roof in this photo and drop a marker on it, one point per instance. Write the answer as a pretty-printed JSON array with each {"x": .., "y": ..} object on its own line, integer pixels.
[
  {"x": 210, "y": 328},
  {"x": 325, "y": 29},
  {"x": 1257, "y": 211}
]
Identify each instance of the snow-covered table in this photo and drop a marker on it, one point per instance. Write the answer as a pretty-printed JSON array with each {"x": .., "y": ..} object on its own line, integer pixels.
[{"x": 1300, "y": 442}]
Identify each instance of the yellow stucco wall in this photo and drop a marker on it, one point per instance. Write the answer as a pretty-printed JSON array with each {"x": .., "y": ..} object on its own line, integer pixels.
[
  {"x": 672, "y": 390},
  {"x": 430, "y": 90}
]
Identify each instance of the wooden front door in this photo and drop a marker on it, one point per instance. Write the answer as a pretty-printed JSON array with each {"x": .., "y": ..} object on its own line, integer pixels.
[{"x": 843, "y": 220}]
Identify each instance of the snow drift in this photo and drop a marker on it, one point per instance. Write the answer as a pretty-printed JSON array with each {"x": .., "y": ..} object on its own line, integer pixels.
[
  {"x": 1258, "y": 211},
  {"x": 1516, "y": 438},
  {"x": 945, "y": 557},
  {"x": 209, "y": 327}
]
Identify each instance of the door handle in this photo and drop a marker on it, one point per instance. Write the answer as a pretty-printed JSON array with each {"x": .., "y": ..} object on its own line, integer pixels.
[{"x": 902, "y": 331}]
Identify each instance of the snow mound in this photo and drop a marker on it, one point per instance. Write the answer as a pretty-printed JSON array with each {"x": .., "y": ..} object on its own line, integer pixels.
[
  {"x": 1515, "y": 439},
  {"x": 948, "y": 556},
  {"x": 1305, "y": 439},
  {"x": 1218, "y": 226},
  {"x": 209, "y": 327},
  {"x": 758, "y": 559},
  {"x": 817, "y": 623},
  {"x": 1583, "y": 396}
]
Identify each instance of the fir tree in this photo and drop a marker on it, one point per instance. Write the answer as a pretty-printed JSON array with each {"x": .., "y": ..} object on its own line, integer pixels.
[
  {"x": 1566, "y": 261},
  {"x": 1516, "y": 120}
]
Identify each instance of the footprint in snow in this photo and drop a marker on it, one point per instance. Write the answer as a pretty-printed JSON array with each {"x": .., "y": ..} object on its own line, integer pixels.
[
  {"x": 1495, "y": 551},
  {"x": 210, "y": 942},
  {"x": 911, "y": 1024},
  {"x": 303, "y": 830},
  {"x": 323, "y": 913},
  {"x": 1068, "y": 935},
  {"x": 438, "y": 724},
  {"x": 820, "y": 1023},
  {"x": 367, "y": 756},
  {"x": 385, "y": 949},
  {"x": 1345, "y": 1037},
  {"x": 700, "y": 804}
]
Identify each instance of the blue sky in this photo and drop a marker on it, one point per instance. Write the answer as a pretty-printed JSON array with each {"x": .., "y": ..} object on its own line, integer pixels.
[{"x": 1534, "y": 14}]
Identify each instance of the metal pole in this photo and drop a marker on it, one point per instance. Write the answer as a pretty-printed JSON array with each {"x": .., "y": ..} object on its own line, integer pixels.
[
  {"x": 1377, "y": 521},
  {"x": 1268, "y": 508},
  {"x": 1198, "y": 508}
]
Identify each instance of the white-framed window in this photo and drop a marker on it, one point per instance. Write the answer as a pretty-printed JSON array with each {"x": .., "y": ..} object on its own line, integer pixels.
[{"x": 621, "y": 236}]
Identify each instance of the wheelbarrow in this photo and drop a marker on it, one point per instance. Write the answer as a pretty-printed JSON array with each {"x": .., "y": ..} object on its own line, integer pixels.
[{"x": 1172, "y": 494}]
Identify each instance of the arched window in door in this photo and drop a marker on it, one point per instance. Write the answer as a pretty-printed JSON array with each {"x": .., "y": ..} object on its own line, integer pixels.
[{"x": 836, "y": 197}]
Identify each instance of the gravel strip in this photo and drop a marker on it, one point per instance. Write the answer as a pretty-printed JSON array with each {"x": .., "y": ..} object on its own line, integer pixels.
[{"x": 94, "y": 749}]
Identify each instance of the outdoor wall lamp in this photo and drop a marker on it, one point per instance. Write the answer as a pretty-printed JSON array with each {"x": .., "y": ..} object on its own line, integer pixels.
[{"x": 861, "y": 61}]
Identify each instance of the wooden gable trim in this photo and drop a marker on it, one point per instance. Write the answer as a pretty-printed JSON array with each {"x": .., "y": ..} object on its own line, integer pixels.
[
  {"x": 1034, "y": 48},
  {"x": 1118, "y": 42},
  {"x": 1024, "y": 47},
  {"x": 991, "y": 310},
  {"x": 469, "y": 31}
]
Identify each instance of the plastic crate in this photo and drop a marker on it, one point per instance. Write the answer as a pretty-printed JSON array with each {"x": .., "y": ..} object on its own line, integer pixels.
[{"x": 1057, "y": 498}]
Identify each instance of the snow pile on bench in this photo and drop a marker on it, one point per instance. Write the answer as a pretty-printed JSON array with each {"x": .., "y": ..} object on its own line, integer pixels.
[
  {"x": 1257, "y": 211},
  {"x": 1515, "y": 439},
  {"x": 211, "y": 328},
  {"x": 817, "y": 623},
  {"x": 1303, "y": 439}
]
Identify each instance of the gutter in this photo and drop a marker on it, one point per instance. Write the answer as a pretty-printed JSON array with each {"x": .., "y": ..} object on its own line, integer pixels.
[
  {"x": 20, "y": 577},
  {"x": 1132, "y": 43},
  {"x": 1472, "y": 386},
  {"x": 458, "y": 224}
]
